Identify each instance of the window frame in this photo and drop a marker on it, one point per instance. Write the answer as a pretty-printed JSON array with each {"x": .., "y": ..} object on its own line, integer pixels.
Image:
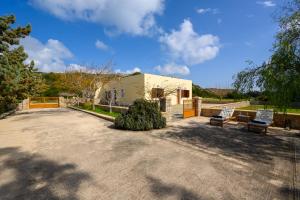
[
  {"x": 157, "y": 93},
  {"x": 185, "y": 93}
]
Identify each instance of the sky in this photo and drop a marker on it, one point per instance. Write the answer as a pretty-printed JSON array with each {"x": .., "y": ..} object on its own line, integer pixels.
[{"x": 206, "y": 41}]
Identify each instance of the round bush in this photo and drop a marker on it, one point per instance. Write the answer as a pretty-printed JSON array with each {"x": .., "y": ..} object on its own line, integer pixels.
[{"x": 141, "y": 116}]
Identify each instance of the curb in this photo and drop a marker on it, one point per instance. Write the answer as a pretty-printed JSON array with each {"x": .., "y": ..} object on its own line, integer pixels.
[
  {"x": 2, "y": 116},
  {"x": 108, "y": 118}
]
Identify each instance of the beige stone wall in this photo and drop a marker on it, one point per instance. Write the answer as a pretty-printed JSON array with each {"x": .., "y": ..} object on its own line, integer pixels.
[
  {"x": 133, "y": 87},
  {"x": 24, "y": 105},
  {"x": 168, "y": 83},
  {"x": 62, "y": 102}
]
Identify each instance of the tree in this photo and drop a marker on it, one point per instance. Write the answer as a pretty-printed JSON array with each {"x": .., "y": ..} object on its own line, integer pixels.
[
  {"x": 17, "y": 80},
  {"x": 278, "y": 78},
  {"x": 55, "y": 85},
  {"x": 153, "y": 91},
  {"x": 86, "y": 81}
]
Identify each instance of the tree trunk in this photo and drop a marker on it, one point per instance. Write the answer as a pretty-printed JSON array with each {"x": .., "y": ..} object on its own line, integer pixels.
[
  {"x": 94, "y": 104},
  {"x": 110, "y": 106}
]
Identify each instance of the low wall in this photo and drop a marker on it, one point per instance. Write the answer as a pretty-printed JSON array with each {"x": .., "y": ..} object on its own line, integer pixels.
[
  {"x": 210, "y": 101},
  {"x": 278, "y": 117},
  {"x": 119, "y": 109},
  {"x": 62, "y": 102},
  {"x": 24, "y": 105},
  {"x": 234, "y": 105},
  {"x": 293, "y": 104}
]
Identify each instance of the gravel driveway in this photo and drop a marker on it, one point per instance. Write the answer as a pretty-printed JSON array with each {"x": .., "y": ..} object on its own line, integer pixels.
[{"x": 66, "y": 154}]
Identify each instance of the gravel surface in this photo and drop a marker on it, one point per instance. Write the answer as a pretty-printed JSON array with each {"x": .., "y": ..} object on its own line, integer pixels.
[{"x": 66, "y": 154}]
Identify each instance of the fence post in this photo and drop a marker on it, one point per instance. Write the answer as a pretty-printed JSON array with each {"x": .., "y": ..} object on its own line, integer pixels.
[
  {"x": 198, "y": 103},
  {"x": 61, "y": 102}
]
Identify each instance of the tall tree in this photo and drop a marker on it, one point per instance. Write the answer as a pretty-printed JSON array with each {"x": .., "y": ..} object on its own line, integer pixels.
[
  {"x": 17, "y": 79},
  {"x": 279, "y": 78},
  {"x": 85, "y": 82}
]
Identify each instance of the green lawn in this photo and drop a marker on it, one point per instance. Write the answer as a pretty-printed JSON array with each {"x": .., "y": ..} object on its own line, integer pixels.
[
  {"x": 100, "y": 111},
  {"x": 255, "y": 107},
  {"x": 215, "y": 100}
]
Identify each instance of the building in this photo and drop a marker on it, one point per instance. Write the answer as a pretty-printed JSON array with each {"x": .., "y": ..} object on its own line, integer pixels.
[{"x": 125, "y": 90}]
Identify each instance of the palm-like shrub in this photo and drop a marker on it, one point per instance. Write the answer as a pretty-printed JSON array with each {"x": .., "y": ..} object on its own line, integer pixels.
[{"x": 142, "y": 115}]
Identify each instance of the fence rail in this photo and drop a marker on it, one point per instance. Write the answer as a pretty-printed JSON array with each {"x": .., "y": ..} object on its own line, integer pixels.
[{"x": 43, "y": 102}]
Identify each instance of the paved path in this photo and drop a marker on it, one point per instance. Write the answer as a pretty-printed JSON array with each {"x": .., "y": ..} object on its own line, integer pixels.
[{"x": 65, "y": 154}]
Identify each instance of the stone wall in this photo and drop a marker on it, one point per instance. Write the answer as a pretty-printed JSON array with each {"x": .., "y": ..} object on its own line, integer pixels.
[
  {"x": 293, "y": 104},
  {"x": 278, "y": 117},
  {"x": 62, "y": 102},
  {"x": 24, "y": 105},
  {"x": 234, "y": 105}
]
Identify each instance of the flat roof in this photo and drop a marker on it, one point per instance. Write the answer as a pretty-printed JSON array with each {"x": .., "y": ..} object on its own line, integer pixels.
[{"x": 165, "y": 76}]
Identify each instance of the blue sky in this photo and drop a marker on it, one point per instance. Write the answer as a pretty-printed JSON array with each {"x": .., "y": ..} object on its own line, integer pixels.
[{"x": 207, "y": 41}]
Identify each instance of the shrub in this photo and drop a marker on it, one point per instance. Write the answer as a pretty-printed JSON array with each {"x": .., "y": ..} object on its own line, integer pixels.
[
  {"x": 141, "y": 116},
  {"x": 87, "y": 106}
]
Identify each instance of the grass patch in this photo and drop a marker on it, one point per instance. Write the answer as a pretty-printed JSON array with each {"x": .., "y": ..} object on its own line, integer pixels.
[
  {"x": 220, "y": 101},
  {"x": 100, "y": 111},
  {"x": 255, "y": 107}
]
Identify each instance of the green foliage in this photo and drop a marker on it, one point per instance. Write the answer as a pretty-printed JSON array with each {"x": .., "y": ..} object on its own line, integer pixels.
[
  {"x": 87, "y": 106},
  {"x": 279, "y": 78},
  {"x": 201, "y": 92},
  {"x": 10, "y": 36},
  {"x": 17, "y": 80},
  {"x": 141, "y": 116},
  {"x": 236, "y": 95},
  {"x": 55, "y": 84}
]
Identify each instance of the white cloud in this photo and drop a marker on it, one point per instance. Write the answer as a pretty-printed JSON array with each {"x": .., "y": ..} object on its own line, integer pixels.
[
  {"x": 188, "y": 46},
  {"x": 219, "y": 21},
  {"x": 169, "y": 69},
  {"x": 130, "y": 71},
  {"x": 130, "y": 16},
  {"x": 47, "y": 57},
  {"x": 266, "y": 3},
  {"x": 77, "y": 67},
  {"x": 208, "y": 10},
  {"x": 101, "y": 45}
]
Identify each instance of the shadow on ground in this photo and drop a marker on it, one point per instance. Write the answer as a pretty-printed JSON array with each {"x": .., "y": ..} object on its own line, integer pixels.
[
  {"x": 163, "y": 190},
  {"x": 292, "y": 193},
  {"x": 35, "y": 114},
  {"x": 34, "y": 177},
  {"x": 233, "y": 142}
]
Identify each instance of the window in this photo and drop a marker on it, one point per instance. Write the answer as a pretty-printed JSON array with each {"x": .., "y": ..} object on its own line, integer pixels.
[
  {"x": 157, "y": 93},
  {"x": 185, "y": 93},
  {"x": 122, "y": 93},
  {"x": 107, "y": 94}
]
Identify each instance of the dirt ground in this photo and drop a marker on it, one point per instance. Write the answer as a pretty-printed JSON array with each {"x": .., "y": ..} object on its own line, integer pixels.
[{"x": 66, "y": 154}]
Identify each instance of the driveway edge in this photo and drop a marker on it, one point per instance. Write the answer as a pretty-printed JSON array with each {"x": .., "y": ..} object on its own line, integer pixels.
[
  {"x": 105, "y": 117},
  {"x": 3, "y": 115}
]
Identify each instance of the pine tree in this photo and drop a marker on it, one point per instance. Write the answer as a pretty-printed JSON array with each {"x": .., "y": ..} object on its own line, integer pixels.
[{"x": 17, "y": 79}]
